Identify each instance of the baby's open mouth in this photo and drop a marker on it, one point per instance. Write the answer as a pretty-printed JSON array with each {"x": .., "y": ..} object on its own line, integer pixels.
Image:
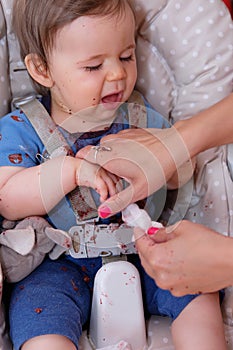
[{"x": 112, "y": 100}]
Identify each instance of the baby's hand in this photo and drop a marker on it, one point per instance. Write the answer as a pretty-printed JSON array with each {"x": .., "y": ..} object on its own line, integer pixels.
[{"x": 104, "y": 182}]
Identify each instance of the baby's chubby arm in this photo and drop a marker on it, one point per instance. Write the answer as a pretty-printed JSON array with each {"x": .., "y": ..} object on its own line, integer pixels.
[{"x": 36, "y": 190}]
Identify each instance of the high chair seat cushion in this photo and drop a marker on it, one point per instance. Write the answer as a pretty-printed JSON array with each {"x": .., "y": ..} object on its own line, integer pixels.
[{"x": 185, "y": 64}]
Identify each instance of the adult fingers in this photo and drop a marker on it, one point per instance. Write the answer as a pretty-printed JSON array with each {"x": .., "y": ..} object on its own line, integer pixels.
[{"x": 116, "y": 203}]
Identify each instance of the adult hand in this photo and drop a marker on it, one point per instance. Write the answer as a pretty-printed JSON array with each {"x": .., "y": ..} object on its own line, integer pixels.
[
  {"x": 145, "y": 158},
  {"x": 187, "y": 258}
]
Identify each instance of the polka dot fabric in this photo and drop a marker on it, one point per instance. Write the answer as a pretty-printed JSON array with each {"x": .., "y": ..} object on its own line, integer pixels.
[
  {"x": 185, "y": 64},
  {"x": 14, "y": 80},
  {"x": 184, "y": 54}
]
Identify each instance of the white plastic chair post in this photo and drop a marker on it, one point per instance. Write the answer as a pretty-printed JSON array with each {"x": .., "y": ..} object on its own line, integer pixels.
[{"x": 117, "y": 307}]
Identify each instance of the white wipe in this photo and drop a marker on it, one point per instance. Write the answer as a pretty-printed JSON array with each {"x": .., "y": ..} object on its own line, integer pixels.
[{"x": 134, "y": 216}]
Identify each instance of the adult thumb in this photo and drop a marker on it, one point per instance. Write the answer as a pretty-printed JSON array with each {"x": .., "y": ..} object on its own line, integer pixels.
[{"x": 116, "y": 203}]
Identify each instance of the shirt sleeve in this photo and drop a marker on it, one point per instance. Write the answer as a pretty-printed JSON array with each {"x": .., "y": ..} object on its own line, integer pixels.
[
  {"x": 155, "y": 119},
  {"x": 19, "y": 143}
]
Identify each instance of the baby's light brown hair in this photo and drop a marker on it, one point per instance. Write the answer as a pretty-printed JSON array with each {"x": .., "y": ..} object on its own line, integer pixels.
[{"x": 36, "y": 22}]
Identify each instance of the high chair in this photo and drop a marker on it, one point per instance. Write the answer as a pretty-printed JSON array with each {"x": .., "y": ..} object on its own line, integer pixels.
[{"x": 185, "y": 64}]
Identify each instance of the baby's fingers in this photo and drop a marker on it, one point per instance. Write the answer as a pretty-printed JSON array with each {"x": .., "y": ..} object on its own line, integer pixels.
[{"x": 101, "y": 188}]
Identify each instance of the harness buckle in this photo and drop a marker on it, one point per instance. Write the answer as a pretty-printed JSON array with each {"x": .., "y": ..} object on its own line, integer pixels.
[
  {"x": 91, "y": 240},
  {"x": 20, "y": 101}
]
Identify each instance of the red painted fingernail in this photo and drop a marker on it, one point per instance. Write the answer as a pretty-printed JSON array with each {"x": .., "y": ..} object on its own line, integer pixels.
[
  {"x": 104, "y": 212},
  {"x": 152, "y": 230}
]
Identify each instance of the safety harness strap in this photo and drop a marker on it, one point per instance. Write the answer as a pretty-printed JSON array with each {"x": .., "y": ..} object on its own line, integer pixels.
[
  {"x": 137, "y": 111},
  {"x": 55, "y": 143}
]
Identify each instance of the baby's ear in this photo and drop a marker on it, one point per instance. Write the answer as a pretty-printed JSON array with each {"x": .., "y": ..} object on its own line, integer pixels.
[{"x": 38, "y": 71}]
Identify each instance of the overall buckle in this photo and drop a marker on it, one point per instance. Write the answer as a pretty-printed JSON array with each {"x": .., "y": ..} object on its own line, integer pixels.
[{"x": 91, "y": 240}]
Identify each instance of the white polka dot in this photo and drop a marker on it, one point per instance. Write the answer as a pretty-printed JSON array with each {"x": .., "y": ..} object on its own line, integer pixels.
[
  {"x": 152, "y": 27},
  {"x": 164, "y": 16},
  {"x": 174, "y": 29},
  {"x": 8, "y": 11},
  {"x": 198, "y": 31},
  {"x": 220, "y": 34},
  {"x": 142, "y": 81},
  {"x": 210, "y": 21},
  {"x": 230, "y": 47},
  {"x": 187, "y": 19},
  {"x": 197, "y": 84},
  {"x": 162, "y": 103},
  {"x": 218, "y": 57},
  {"x": 217, "y": 220},
  {"x": 231, "y": 212},
  {"x": 184, "y": 92},
  {"x": 23, "y": 87},
  {"x": 200, "y": 8},
  {"x": 221, "y": 13},
  {"x": 184, "y": 41},
  {"x": 143, "y": 58},
  {"x": 182, "y": 64},
  {"x": 20, "y": 64},
  {"x": 208, "y": 44},
  {"x": 177, "y": 6},
  {"x": 192, "y": 76},
  {"x": 173, "y": 52},
  {"x": 201, "y": 214},
  {"x": 152, "y": 92},
  {"x": 227, "y": 69},
  {"x": 4, "y": 102},
  {"x": 165, "y": 340},
  {"x": 192, "y": 105},
  {"x": 152, "y": 69},
  {"x": 2, "y": 79},
  {"x": 216, "y": 183},
  {"x": 163, "y": 81},
  {"x": 229, "y": 309},
  {"x": 210, "y": 171},
  {"x": 162, "y": 40},
  {"x": 220, "y": 89},
  {"x": 195, "y": 54},
  {"x": 205, "y": 97},
  {"x": 138, "y": 8}
]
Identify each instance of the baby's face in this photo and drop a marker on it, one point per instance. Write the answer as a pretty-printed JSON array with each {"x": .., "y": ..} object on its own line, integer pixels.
[{"x": 93, "y": 64}]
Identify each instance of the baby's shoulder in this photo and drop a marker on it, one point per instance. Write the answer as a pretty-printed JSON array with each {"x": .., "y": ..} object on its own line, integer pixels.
[{"x": 15, "y": 122}]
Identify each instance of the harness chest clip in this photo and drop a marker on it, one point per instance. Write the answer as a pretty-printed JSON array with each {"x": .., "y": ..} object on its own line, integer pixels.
[{"x": 91, "y": 240}]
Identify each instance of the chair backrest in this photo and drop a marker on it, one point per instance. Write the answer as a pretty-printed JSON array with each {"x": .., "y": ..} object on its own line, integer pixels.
[{"x": 184, "y": 55}]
